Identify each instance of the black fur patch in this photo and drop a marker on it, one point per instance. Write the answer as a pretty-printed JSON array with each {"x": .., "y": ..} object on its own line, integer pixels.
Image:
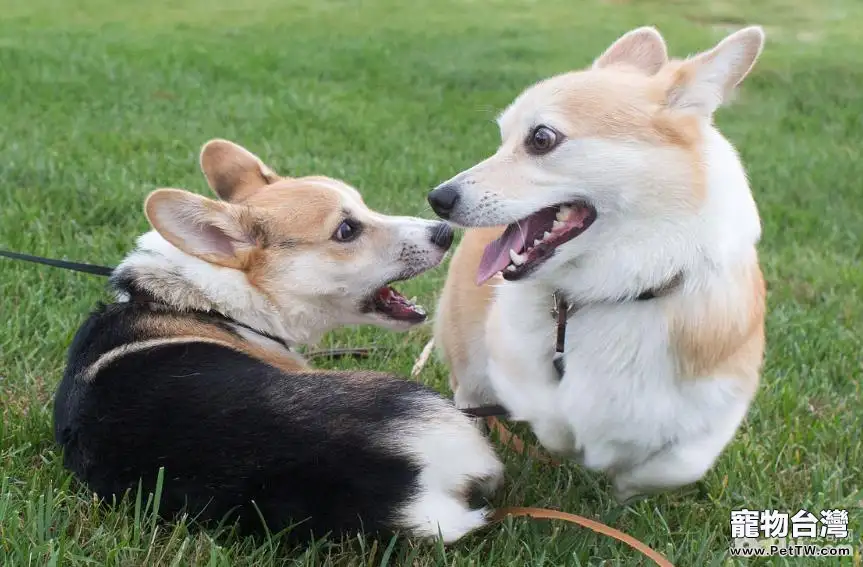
[{"x": 307, "y": 448}]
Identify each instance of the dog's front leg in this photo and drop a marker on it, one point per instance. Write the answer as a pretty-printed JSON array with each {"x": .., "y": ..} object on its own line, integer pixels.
[{"x": 521, "y": 372}]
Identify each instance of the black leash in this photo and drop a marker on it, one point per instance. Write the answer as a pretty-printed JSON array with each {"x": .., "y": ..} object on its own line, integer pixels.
[
  {"x": 487, "y": 411},
  {"x": 105, "y": 271},
  {"x": 74, "y": 266}
]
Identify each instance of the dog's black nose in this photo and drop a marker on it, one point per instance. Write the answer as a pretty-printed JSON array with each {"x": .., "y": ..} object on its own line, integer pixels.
[
  {"x": 441, "y": 235},
  {"x": 443, "y": 200}
]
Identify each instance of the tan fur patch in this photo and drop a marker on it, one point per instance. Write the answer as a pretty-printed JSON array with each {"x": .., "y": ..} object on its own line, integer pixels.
[
  {"x": 725, "y": 336},
  {"x": 158, "y": 325},
  {"x": 610, "y": 103},
  {"x": 291, "y": 215},
  {"x": 616, "y": 104},
  {"x": 295, "y": 210},
  {"x": 461, "y": 314}
]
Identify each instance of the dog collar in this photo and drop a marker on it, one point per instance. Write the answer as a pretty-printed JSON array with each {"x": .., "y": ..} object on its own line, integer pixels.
[
  {"x": 143, "y": 298},
  {"x": 562, "y": 310}
]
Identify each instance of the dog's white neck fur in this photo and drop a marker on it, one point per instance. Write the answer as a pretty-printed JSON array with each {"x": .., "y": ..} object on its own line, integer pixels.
[
  {"x": 188, "y": 283},
  {"x": 639, "y": 255}
]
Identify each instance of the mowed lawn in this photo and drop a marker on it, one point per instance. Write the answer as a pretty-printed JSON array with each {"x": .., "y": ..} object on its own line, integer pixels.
[{"x": 103, "y": 102}]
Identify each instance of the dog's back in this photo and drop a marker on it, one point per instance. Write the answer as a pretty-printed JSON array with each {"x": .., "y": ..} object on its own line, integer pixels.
[{"x": 326, "y": 450}]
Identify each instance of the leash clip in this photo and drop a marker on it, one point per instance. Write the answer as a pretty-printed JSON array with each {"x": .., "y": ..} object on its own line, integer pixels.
[{"x": 559, "y": 365}]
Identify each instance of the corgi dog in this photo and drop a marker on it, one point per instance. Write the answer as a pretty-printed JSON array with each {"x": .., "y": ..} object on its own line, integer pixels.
[
  {"x": 612, "y": 195},
  {"x": 193, "y": 368}
]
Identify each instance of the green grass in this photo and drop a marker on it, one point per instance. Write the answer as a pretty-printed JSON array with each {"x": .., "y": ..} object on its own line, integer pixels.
[{"x": 103, "y": 102}]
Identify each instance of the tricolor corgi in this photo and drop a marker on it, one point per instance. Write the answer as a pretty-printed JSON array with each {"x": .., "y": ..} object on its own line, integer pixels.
[
  {"x": 613, "y": 195},
  {"x": 193, "y": 368}
]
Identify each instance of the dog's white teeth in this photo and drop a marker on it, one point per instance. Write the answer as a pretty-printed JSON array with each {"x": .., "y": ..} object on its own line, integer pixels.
[
  {"x": 557, "y": 225},
  {"x": 536, "y": 242},
  {"x": 517, "y": 259},
  {"x": 546, "y": 235},
  {"x": 510, "y": 268},
  {"x": 563, "y": 213}
]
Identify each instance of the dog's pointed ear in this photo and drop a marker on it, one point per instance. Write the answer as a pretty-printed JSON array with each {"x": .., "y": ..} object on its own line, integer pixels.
[
  {"x": 232, "y": 171},
  {"x": 705, "y": 81},
  {"x": 642, "y": 48},
  {"x": 211, "y": 230}
]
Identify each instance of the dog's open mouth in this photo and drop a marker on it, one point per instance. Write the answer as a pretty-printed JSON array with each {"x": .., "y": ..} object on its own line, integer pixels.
[
  {"x": 527, "y": 243},
  {"x": 391, "y": 304}
]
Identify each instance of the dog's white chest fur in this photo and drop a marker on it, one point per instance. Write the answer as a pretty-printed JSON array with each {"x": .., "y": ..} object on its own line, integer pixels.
[{"x": 621, "y": 403}]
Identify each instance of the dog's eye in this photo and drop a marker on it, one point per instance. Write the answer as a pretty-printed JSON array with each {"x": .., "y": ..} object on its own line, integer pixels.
[
  {"x": 348, "y": 230},
  {"x": 542, "y": 140}
]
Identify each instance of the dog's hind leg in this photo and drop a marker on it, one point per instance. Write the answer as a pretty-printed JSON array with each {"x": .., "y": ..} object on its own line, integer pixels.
[
  {"x": 683, "y": 463},
  {"x": 456, "y": 464},
  {"x": 445, "y": 516}
]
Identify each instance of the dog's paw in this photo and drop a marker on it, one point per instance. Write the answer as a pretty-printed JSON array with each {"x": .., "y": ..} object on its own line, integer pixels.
[
  {"x": 481, "y": 425},
  {"x": 447, "y": 519},
  {"x": 627, "y": 495}
]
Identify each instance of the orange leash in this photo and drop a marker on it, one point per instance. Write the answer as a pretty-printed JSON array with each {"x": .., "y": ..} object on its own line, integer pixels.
[{"x": 546, "y": 514}]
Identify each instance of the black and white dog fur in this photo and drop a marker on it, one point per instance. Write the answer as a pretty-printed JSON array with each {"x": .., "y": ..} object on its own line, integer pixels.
[{"x": 191, "y": 369}]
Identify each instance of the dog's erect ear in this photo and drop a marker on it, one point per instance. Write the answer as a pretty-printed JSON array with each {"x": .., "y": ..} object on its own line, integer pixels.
[
  {"x": 232, "y": 171},
  {"x": 642, "y": 48},
  {"x": 211, "y": 230},
  {"x": 705, "y": 81}
]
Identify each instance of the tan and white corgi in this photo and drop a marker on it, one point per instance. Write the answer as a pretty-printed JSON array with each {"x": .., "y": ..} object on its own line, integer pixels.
[
  {"x": 622, "y": 198},
  {"x": 192, "y": 368}
]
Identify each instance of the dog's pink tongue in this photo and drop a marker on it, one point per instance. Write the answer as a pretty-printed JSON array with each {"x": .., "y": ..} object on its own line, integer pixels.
[{"x": 496, "y": 255}]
